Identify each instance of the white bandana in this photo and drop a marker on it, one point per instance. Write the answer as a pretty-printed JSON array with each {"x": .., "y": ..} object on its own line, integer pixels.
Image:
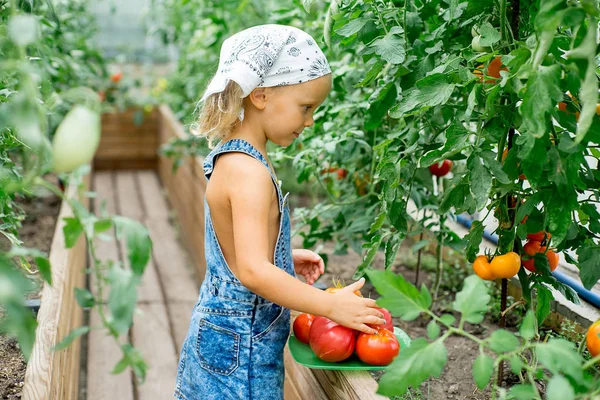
[{"x": 267, "y": 56}]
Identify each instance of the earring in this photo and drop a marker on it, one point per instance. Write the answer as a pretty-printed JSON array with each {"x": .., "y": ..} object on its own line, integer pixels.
[{"x": 241, "y": 117}]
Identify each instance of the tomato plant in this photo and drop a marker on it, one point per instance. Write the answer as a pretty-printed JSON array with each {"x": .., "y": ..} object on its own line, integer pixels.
[{"x": 50, "y": 81}]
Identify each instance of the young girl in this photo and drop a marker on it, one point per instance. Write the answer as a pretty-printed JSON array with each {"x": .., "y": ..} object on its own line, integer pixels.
[{"x": 269, "y": 82}]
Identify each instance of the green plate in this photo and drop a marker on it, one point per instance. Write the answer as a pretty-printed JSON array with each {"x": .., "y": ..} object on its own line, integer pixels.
[{"x": 303, "y": 355}]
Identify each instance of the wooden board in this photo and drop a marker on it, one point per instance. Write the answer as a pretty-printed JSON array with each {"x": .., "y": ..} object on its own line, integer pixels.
[
  {"x": 123, "y": 144},
  {"x": 103, "y": 352},
  {"x": 55, "y": 375},
  {"x": 185, "y": 190},
  {"x": 152, "y": 336}
]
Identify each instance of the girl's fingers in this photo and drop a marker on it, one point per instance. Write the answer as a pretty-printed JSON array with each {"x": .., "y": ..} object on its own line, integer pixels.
[
  {"x": 371, "y": 303},
  {"x": 372, "y": 319},
  {"x": 366, "y": 329}
]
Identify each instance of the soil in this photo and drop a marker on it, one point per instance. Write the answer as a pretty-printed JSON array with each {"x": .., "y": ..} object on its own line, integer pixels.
[
  {"x": 36, "y": 232},
  {"x": 456, "y": 381}
]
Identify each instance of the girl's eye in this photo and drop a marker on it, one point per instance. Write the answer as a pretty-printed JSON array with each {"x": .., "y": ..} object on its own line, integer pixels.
[{"x": 306, "y": 108}]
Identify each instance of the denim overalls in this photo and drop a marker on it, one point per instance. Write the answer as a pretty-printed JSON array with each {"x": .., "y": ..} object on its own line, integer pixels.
[{"x": 234, "y": 345}]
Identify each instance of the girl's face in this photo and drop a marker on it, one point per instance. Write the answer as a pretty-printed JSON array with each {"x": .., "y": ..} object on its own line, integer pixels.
[{"x": 291, "y": 109}]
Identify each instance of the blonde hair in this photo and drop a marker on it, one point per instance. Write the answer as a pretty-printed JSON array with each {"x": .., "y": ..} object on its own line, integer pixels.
[{"x": 219, "y": 114}]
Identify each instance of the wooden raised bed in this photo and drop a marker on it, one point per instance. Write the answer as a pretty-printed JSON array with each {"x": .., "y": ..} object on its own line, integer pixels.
[{"x": 55, "y": 375}]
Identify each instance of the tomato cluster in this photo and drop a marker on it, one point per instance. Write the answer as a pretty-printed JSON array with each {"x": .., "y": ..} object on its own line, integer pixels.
[
  {"x": 333, "y": 342},
  {"x": 502, "y": 266},
  {"x": 507, "y": 265}
]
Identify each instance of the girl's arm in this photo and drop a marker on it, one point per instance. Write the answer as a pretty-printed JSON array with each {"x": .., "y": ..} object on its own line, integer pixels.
[{"x": 251, "y": 199}]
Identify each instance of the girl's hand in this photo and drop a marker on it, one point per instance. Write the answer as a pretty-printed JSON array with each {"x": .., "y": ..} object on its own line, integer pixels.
[
  {"x": 309, "y": 264},
  {"x": 353, "y": 311}
]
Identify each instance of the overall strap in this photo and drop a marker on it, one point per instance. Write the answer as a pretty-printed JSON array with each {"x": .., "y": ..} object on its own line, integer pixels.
[{"x": 240, "y": 146}]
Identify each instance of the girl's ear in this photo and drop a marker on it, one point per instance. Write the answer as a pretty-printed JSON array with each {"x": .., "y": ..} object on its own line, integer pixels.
[{"x": 258, "y": 98}]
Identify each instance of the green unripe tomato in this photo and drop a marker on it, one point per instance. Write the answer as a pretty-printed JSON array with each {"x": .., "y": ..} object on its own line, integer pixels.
[{"x": 76, "y": 139}]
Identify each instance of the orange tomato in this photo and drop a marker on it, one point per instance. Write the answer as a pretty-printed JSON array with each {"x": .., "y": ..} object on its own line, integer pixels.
[
  {"x": 592, "y": 339},
  {"x": 506, "y": 265},
  {"x": 481, "y": 266},
  {"x": 562, "y": 106},
  {"x": 495, "y": 67},
  {"x": 531, "y": 248}
]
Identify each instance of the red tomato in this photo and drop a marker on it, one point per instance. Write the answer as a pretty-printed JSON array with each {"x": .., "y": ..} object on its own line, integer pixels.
[
  {"x": 302, "y": 325},
  {"x": 441, "y": 169},
  {"x": 116, "y": 77},
  {"x": 341, "y": 173},
  {"x": 388, "y": 320},
  {"x": 592, "y": 339},
  {"x": 539, "y": 236},
  {"x": 377, "y": 349},
  {"x": 331, "y": 341}
]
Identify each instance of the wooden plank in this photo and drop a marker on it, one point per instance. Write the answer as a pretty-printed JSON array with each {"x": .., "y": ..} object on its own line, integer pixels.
[
  {"x": 103, "y": 352},
  {"x": 152, "y": 195},
  {"x": 152, "y": 336},
  {"x": 112, "y": 164},
  {"x": 289, "y": 389},
  {"x": 128, "y": 202},
  {"x": 345, "y": 385},
  {"x": 55, "y": 375},
  {"x": 129, "y": 205},
  {"x": 171, "y": 262},
  {"x": 307, "y": 386}
]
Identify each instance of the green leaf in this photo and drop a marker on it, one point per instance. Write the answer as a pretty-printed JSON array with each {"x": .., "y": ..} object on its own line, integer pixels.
[
  {"x": 74, "y": 334},
  {"x": 373, "y": 246},
  {"x": 121, "y": 298},
  {"x": 528, "y": 327},
  {"x": 413, "y": 366},
  {"x": 391, "y": 250},
  {"x": 559, "y": 388},
  {"x": 489, "y": 35},
  {"x": 431, "y": 91},
  {"x": 390, "y": 48},
  {"x": 43, "y": 265},
  {"x": 433, "y": 330},
  {"x": 448, "y": 319},
  {"x": 138, "y": 240},
  {"x": 503, "y": 341},
  {"x": 588, "y": 258},
  {"x": 542, "y": 306},
  {"x": 84, "y": 298},
  {"x": 561, "y": 356},
  {"x": 589, "y": 87},
  {"x": 474, "y": 238},
  {"x": 102, "y": 225},
  {"x": 472, "y": 301},
  {"x": 541, "y": 95},
  {"x": 523, "y": 392},
  {"x": 483, "y": 367},
  {"x": 397, "y": 216},
  {"x": 131, "y": 358},
  {"x": 492, "y": 164},
  {"x": 516, "y": 364},
  {"x": 481, "y": 181},
  {"x": 456, "y": 138},
  {"x": 72, "y": 230},
  {"x": 352, "y": 27},
  {"x": 398, "y": 296},
  {"x": 371, "y": 74}
]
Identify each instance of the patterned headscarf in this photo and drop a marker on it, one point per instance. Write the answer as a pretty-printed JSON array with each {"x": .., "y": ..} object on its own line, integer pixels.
[{"x": 267, "y": 56}]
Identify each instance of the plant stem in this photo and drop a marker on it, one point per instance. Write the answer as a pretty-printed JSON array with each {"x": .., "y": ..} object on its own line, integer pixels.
[
  {"x": 421, "y": 249},
  {"x": 502, "y": 325}
]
